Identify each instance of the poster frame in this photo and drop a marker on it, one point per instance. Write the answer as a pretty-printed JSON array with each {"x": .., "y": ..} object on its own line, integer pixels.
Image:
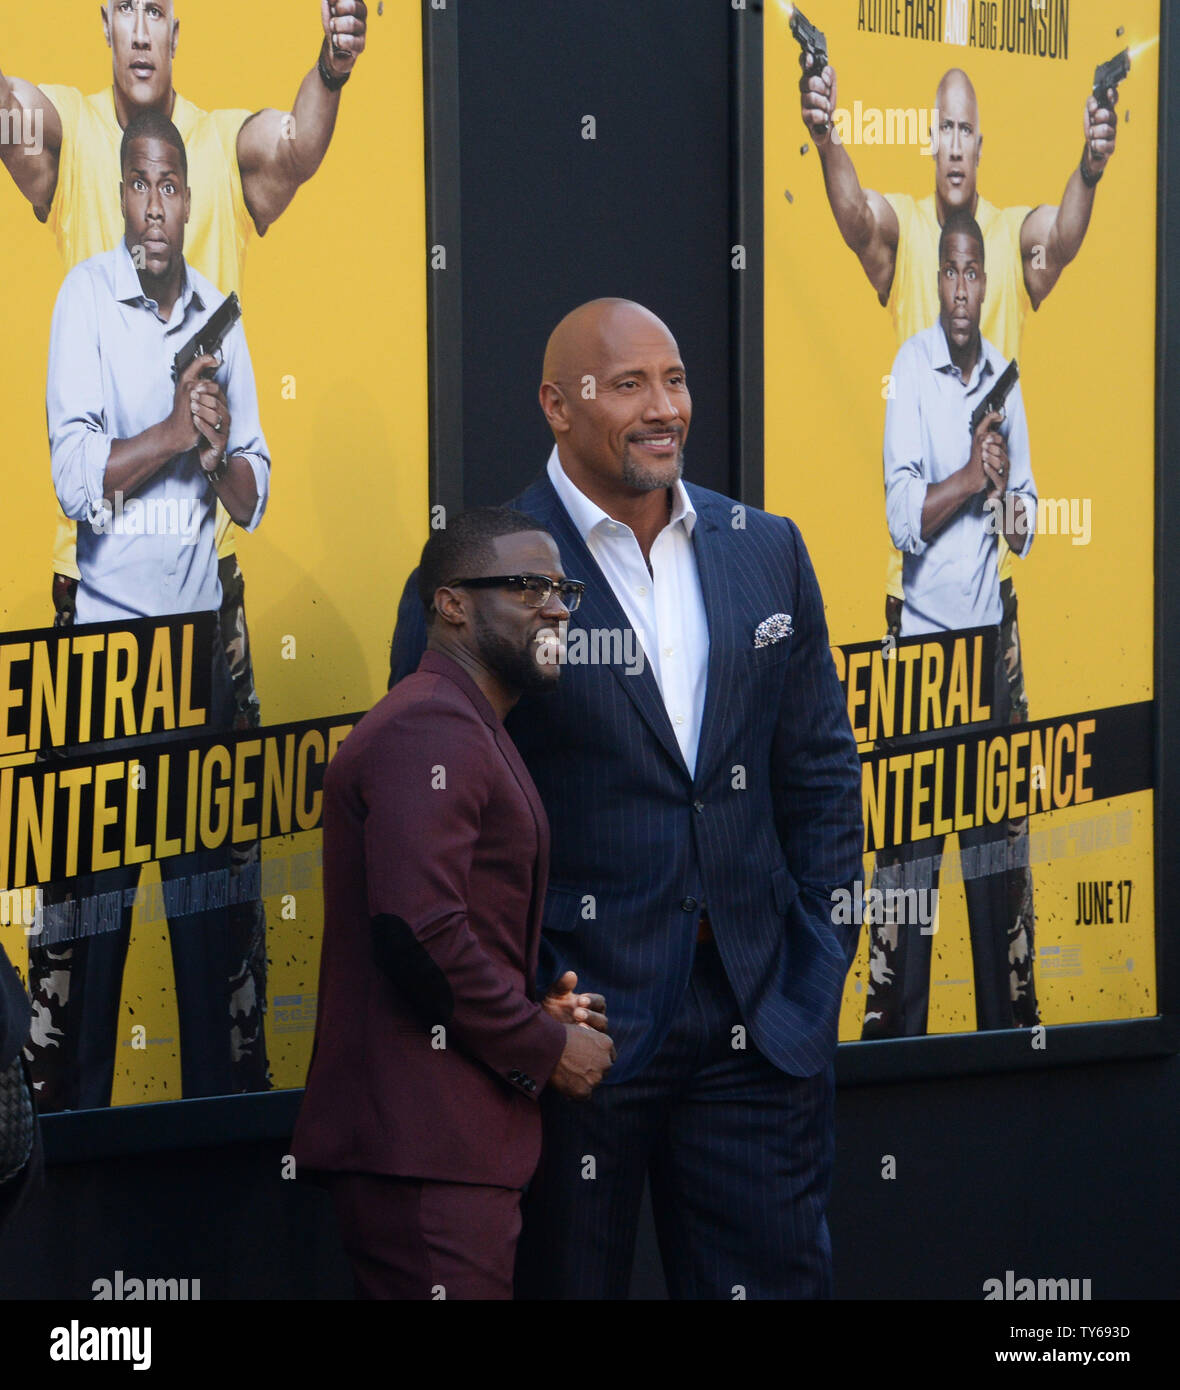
[
  {"x": 961, "y": 1054},
  {"x": 85, "y": 1135}
]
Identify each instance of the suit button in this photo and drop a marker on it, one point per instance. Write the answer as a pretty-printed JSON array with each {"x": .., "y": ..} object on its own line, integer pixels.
[
  {"x": 698, "y": 806},
  {"x": 689, "y": 905}
]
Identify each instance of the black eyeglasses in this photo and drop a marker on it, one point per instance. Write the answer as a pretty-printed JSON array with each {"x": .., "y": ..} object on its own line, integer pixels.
[{"x": 535, "y": 590}]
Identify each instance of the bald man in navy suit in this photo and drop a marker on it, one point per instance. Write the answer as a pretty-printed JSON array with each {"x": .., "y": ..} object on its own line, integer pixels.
[{"x": 705, "y": 808}]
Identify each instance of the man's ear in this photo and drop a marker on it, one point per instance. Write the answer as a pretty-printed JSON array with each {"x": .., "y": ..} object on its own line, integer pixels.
[
  {"x": 555, "y": 407},
  {"x": 106, "y": 24},
  {"x": 175, "y": 35},
  {"x": 978, "y": 151},
  {"x": 122, "y": 201},
  {"x": 188, "y": 203},
  {"x": 451, "y": 606}
]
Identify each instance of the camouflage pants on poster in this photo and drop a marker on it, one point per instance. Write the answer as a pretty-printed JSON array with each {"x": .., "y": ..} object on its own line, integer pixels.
[
  {"x": 52, "y": 1053},
  {"x": 247, "y": 917},
  {"x": 1021, "y": 918},
  {"x": 884, "y": 1007}
]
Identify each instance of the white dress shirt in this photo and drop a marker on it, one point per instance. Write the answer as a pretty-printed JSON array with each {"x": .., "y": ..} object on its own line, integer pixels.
[{"x": 664, "y": 606}]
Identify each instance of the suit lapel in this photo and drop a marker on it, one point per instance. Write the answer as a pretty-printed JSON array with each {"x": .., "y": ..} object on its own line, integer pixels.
[
  {"x": 541, "y": 871},
  {"x": 442, "y": 665},
  {"x": 601, "y": 609},
  {"x": 716, "y": 592}
]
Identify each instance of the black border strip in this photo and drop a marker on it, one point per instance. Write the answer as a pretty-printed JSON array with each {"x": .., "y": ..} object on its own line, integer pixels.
[
  {"x": 746, "y": 350},
  {"x": 440, "y": 66},
  {"x": 1066, "y": 1044},
  {"x": 84, "y": 1135},
  {"x": 1167, "y": 507},
  {"x": 195, "y": 1124},
  {"x": 975, "y": 1054}
]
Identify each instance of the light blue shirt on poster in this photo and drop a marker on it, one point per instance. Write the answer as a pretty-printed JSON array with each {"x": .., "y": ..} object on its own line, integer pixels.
[
  {"x": 951, "y": 581},
  {"x": 110, "y": 378}
]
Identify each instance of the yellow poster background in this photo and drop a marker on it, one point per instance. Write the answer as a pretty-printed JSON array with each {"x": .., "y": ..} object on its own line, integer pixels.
[
  {"x": 1087, "y": 365},
  {"x": 334, "y": 299}
]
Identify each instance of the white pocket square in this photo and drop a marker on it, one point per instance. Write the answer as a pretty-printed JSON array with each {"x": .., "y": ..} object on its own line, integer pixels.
[{"x": 773, "y": 629}]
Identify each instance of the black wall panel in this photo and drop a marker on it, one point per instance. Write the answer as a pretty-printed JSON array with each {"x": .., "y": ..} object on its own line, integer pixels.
[{"x": 550, "y": 219}]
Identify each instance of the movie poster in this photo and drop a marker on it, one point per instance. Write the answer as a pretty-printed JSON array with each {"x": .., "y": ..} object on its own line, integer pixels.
[
  {"x": 173, "y": 684},
  {"x": 983, "y": 533}
]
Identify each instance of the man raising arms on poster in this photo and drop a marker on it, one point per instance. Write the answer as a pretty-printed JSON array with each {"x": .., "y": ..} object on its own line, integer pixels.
[
  {"x": 895, "y": 236},
  {"x": 896, "y": 239},
  {"x": 247, "y": 167}
]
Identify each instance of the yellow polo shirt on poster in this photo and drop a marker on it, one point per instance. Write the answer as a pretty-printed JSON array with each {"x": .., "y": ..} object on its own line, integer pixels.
[
  {"x": 85, "y": 217},
  {"x": 913, "y": 298}
]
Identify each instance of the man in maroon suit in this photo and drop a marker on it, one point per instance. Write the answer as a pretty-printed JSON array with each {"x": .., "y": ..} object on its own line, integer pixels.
[{"x": 431, "y": 1046}]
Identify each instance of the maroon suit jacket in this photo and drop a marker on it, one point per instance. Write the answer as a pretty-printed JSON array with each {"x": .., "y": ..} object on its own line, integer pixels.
[{"x": 433, "y": 827}]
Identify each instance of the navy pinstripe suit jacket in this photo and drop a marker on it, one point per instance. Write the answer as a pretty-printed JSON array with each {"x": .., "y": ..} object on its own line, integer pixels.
[{"x": 763, "y": 834}]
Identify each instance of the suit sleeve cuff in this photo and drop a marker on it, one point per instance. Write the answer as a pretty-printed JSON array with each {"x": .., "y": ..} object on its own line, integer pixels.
[{"x": 539, "y": 1055}]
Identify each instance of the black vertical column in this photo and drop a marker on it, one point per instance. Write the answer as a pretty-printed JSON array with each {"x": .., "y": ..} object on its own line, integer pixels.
[{"x": 595, "y": 161}]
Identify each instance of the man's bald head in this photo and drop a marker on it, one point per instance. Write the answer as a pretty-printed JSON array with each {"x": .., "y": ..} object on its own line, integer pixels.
[
  {"x": 957, "y": 88},
  {"x": 591, "y": 333},
  {"x": 614, "y": 392},
  {"x": 142, "y": 36},
  {"x": 956, "y": 156}
]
